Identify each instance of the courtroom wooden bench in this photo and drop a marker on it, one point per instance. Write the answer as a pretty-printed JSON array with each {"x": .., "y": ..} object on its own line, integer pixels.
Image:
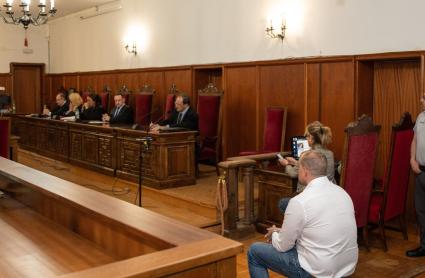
[{"x": 146, "y": 244}]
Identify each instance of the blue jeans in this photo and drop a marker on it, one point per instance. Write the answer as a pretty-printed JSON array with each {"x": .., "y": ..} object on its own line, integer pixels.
[
  {"x": 283, "y": 204},
  {"x": 263, "y": 256}
]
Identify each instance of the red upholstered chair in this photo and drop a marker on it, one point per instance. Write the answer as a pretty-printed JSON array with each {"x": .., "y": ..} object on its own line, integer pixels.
[
  {"x": 4, "y": 136},
  {"x": 209, "y": 112},
  {"x": 390, "y": 202},
  {"x": 358, "y": 165},
  {"x": 86, "y": 93},
  {"x": 169, "y": 103},
  {"x": 274, "y": 131},
  {"x": 104, "y": 98},
  {"x": 143, "y": 105}
]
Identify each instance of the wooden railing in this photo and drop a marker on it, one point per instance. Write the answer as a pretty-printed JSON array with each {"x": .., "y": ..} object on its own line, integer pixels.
[
  {"x": 231, "y": 169},
  {"x": 146, "y": 244}
]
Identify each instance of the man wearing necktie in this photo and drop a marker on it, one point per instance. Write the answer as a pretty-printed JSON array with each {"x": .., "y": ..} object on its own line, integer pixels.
[
  {"x": 182, "y": 116},
  {"x": 121, "y": 113}
]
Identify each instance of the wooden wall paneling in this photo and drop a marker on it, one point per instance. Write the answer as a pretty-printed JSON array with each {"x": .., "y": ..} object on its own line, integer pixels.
[
  {"x": 337, "y": 100},
  {"x": 182, "y": 78},
  {"x": 283, "y": 85},
  {"x": 312, "y": 79},
  {"x": 89, "y": 80},
  {"x": 205, "y": 75},
  {"x": 156, "y": 80},
  {"x": 397, "y": 88},
  {"x": 6, "y": 82},
  {"x": 71, "y": 81},
  {"x": 239, "y": 113},
  {"x": 47, "y": 93},
  {"x": 364, "y": 88}
]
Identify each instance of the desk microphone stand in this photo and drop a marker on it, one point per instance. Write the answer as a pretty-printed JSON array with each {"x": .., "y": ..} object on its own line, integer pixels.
[{"x": 144, "y": 147}]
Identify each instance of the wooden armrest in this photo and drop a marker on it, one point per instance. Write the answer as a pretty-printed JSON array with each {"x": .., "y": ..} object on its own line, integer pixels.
[
  {"x": 258, "y": 157},
  {"x": 237, "y": 163}
]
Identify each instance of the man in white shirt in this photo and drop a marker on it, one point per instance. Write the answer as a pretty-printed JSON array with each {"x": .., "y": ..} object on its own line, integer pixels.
[{"x": 318, "y": 235}]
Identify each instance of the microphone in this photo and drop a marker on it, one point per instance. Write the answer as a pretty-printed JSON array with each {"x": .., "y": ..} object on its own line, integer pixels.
[
  {"x": 136, "y": 125},
  {"x": 162, "y": 117}
]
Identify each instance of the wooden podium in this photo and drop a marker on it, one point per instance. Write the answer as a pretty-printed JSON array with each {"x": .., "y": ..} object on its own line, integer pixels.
[{"x": 113, "y": 150}]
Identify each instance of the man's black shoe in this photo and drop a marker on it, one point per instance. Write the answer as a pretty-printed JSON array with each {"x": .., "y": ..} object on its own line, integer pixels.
[{"x": 418, "y": 252}]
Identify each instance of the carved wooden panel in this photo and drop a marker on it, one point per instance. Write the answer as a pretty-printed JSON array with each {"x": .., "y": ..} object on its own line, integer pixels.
[
  {"x": 129, "y": 156},
  {"x": 90, "y": 148},
  {"x": 76, "y": 141},
  {"x": 43, "y": 141},
  {"x": 31, "y": 132},
  {"x": 62, "y": 145},
  {"x": 106, "y": 151},
  {"x": 51, "y": 144},
  {"x": 178, "y": 160}
]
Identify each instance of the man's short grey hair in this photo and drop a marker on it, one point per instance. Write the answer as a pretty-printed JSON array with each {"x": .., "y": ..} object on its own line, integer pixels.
[{"x": 314, "y": 162}]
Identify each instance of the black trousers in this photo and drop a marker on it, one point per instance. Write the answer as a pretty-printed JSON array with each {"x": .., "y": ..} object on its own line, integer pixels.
[{"x": 420, "y": 204}]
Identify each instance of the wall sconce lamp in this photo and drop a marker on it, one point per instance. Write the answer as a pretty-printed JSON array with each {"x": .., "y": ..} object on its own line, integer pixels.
[
  {"x": 270, "y": 31},
  {"x": 132, "y": 50}
]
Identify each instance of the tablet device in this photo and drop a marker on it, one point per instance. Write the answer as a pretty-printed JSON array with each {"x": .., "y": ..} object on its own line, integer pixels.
[{"x": 298, "y": 146}]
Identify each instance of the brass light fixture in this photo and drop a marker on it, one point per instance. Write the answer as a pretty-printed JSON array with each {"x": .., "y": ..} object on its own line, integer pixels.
[
  {"x": 131, "y": 50},
  {"x": 270, "y": 31},
  {"x": 26, "y": 17}
]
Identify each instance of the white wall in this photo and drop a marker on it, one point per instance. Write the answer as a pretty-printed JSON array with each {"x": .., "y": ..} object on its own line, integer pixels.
[
  {"x": 12, "y": 42},
  {"x": 183, "y": 32}
]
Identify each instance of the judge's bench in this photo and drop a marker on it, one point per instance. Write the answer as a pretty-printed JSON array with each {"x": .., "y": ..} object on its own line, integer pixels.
[{"x": 113, "y": 149}]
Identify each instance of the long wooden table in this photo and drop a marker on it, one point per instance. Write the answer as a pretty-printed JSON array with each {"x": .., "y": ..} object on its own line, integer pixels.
[
  {"x": 144, "y": 243},
  {"x": 114, "y": 150}
]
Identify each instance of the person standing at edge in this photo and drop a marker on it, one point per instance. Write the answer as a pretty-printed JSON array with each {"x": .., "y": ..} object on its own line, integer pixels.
[{"x": 417, "y": 162}]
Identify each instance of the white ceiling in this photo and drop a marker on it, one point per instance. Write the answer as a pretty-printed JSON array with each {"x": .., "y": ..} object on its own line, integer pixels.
[{"x": 65, "y": 7}]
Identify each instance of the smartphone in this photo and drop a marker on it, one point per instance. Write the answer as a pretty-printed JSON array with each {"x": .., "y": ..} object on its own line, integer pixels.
[{"x": 279, "y": 156}]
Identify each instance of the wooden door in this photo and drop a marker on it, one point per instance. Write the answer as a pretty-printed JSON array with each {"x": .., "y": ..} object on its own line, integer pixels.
[{"x": 27, "y": 87}]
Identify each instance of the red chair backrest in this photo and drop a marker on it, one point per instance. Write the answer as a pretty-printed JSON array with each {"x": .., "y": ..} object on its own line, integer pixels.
[
  {"x": 273, "y": 129},
  {"x": 104, "y": 99},
  {"x": 209, "y": 113},
  {"x": 143, "y": 107},
  {"x": 4, "y": 136},
  {"x": 396, "y": 179},
  {"x": 84, "y": 95},
  {"x": 169, "y": 106},
  {"x": 359, "y": 165}
]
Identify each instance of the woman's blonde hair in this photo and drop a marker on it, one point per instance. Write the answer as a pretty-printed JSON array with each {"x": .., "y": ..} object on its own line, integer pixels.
[
  {"x": 322, "y": 135},
  {"x": 75, "y": 99}
]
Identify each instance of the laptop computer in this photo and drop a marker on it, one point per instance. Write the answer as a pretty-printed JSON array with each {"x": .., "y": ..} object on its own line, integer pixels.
[{"x": 298, "y": 146}]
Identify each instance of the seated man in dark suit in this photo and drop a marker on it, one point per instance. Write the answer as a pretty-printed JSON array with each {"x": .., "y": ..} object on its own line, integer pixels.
[
  {"x": 121, "y": 113},
  {"x": 61, "y": 108},
  {"x": 182, "y": 116},
  {"x": 92, "y": 109}
]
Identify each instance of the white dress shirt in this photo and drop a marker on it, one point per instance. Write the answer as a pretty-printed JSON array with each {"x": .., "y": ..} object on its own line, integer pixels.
[{"x": 320, "y": 222}]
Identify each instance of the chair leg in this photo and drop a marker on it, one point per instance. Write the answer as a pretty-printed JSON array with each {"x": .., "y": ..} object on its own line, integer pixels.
[
  {"x": 366, "y": 237},
  {"x": 403, "y": 227},
  {"x": 383, "y": 238}
]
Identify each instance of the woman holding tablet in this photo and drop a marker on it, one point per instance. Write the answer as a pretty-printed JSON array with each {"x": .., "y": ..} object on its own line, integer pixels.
[{"x": 318, "y": 138}]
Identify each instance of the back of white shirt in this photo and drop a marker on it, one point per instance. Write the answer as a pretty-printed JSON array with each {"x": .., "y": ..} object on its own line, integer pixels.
[{"x": 321, "y": 221}]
